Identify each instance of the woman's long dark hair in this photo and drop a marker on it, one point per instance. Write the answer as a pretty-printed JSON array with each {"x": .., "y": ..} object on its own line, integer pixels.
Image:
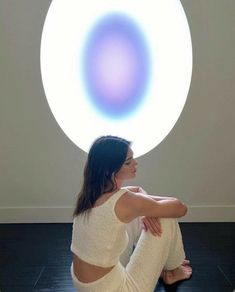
[{"x": 105, "y": 158}]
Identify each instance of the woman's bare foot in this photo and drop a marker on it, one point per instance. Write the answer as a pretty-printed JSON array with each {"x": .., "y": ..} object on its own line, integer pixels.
[
  {"x": 183, "y": 272},
  {"x": 184, "y": 263}
]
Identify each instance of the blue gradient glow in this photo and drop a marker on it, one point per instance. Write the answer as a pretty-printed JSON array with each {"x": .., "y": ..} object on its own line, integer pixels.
[{"x": 116, "y": 65}]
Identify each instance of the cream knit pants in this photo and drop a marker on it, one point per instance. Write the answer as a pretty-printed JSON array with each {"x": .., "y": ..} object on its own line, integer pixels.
[{"x": 138, "y": 271}]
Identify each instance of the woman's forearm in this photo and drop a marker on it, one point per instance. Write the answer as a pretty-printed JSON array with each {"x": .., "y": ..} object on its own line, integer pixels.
[
  {"x": 138, "y": 189},
  {"x": 160, "y": 198}
]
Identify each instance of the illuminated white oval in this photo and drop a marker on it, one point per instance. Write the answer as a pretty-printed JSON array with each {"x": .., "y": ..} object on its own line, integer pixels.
[{"x": 168, "y": 38}]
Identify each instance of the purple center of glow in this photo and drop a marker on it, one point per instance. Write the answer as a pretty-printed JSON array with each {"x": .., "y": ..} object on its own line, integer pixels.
[{"x": 116, "y": 66}]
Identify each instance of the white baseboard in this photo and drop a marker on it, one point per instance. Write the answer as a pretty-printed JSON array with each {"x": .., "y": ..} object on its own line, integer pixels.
[
  {"x": 205, "y": 213},
  {"x": 210, "y": 213},
  {"x": 36, "y": 214}
]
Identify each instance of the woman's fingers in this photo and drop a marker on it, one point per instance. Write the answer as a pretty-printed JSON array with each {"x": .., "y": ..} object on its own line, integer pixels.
[
  {"x": 156, "y": 225},
  {"x": 153, "y": 225}
]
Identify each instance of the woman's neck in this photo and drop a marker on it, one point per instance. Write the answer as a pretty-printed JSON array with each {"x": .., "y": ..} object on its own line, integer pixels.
[{"x": 119, "y": 183}]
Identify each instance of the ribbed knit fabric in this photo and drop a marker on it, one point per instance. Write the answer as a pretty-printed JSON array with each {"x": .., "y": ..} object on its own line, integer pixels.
[
  {"x": 151, "y": 255},
  {"x": 102, "y": 237}
]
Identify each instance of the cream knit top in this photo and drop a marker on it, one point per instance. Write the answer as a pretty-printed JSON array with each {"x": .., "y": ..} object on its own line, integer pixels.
[{"x": 100, "y": 238}]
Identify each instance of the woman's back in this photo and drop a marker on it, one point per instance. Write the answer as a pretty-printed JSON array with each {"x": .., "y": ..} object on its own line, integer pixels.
[{"x": 99, "y": 239}]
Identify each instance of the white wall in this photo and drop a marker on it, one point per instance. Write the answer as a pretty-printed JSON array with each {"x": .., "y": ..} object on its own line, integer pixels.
[{"x": 41, "y": 169}]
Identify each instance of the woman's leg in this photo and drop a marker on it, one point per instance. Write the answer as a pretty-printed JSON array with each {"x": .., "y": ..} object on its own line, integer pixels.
[
  {"x": 173, "y": 272},
  {"x": 153, "y": 254},
  {"x": 134, "y": 229}
]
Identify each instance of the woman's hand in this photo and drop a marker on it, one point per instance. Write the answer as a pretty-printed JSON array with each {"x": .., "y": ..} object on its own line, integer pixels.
[
  {"x": 136, "y": 189},
  {"x": 152, "y": 224}
]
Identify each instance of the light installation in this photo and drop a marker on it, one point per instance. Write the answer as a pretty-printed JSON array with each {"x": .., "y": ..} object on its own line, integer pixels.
[{"x": 116, "y": 67}]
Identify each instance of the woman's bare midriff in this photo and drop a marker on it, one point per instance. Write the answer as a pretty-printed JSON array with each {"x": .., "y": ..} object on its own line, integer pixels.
[{"x": 86, "y": 272}]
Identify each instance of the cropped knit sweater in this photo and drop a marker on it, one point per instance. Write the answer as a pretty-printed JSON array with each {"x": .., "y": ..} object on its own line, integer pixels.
[{"x": 100, "y": 238}]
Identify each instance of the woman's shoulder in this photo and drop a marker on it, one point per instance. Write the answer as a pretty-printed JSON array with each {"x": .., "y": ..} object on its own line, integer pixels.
[
  {"x": 135, "y": 204},
  {"x": 132, "y": 194},
  {"x": 125, "y": 207},
  {"x": 107, "y": 197}
]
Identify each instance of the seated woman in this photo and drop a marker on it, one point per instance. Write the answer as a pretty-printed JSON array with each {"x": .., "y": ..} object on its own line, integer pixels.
[{"x": 108, "y": 221}]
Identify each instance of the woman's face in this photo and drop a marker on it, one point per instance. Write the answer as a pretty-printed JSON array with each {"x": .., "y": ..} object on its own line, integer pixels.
[{"x": 128, "y": 169}]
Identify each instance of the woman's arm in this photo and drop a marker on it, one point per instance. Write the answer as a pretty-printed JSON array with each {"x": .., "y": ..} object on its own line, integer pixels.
[
  {"x": 160, "y": 198},
  {"x": 140, "y": 204},
  {"x": 138, "y": 189}
]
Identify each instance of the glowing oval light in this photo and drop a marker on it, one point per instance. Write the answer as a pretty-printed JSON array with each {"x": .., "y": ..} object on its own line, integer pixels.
[{"x": 154, "y": 108}]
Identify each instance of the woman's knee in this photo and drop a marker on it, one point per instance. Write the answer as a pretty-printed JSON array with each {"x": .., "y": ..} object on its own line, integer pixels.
[{"x": 168, "y": 224}]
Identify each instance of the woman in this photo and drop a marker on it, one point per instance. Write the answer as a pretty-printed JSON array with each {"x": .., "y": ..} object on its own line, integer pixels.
[{"x": 107, "y": 221}]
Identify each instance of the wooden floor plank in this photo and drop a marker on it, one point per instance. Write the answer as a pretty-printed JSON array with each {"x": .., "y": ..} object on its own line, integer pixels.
[{"x": 37, "y": 257}]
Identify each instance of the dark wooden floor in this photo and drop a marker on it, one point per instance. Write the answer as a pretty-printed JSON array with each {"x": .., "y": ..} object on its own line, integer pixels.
[{"x": 36, "y": 257}]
